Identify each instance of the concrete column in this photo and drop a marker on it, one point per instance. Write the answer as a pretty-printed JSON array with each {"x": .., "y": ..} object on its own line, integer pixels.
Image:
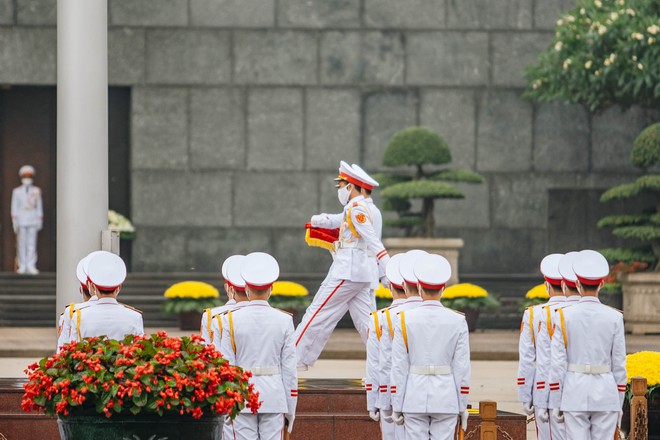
[{"x": 82, "y": 137}]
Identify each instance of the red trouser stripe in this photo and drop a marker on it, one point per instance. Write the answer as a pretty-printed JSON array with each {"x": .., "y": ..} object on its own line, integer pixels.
[{"x": 317, "y": 311}]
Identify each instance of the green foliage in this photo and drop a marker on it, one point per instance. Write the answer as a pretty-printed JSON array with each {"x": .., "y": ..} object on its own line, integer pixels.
[
  {"x": 612, "y": 221},
  {"x": 458, "y": 175},
  {"x": 286, "y": 302},
  {"x": 397, "y": 205},
  {"x": 409, "y": 221},
  {"x": 416, "y": 146},
  {"x": 611, "y": 288},
  {"x": 646, "y": 149},
  {"x": 529, "y": 302},
  {"x": 605, "y": 52},
  {"x": 179, "y": 305},
  {"x": 389, "y": 179},
  {"x": 420, "y": 189},
  {"x": 466, "y": 302},
  {"x": 649, "y": 182},
  {"x": 644, "y": 232}
]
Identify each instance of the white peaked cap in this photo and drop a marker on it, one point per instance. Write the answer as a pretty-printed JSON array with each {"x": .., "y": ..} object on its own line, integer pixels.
[
  {"x": 407, "y": 265},
  {"x": 344, "y": 169},
  {"x": 392, "y": 271},
  {"x": 566, "y": 268},
  {"x": 26, "y": 169},
  {"x": 432, "y": 271},
  {"x": 107, "y": 271},
  {"x": 233, "y": 270},
  {"x": 80, "y": 273},
  {"x": 550, "y": 268},
  {"x": 226, "y": 263},
  {"x": 85, "y": 261},
  {"x": 590, "y": 267},
  {"x": 259, "y": 270},
  {"x": 369, "y": 182}
]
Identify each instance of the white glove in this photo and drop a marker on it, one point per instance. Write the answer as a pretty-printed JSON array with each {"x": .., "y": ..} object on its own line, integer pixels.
[
  {"x": 397, "y": 418},
  {"x": 618, "y": 423},
  {"x": 558, "y": 415},
  {"x": 374, "y": 415},
  {"x": 385, "y": 282},
  {"x": 528, "y": 408},
  {"x": 543, "y": 415},
  {"x": 464, "y": 419},
  {"x": 316, "y": 219},
  {"x": 387, "y": 415},
  {"x": 227, "y": 420},
  {"x": 15, "y": 226},
  {"x": 289, "y": 422}
]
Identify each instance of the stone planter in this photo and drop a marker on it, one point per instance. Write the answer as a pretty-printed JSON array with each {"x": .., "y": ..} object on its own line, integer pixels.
[
  {"x": 653, "y": 418},
  {"x": 190, "y": 320},
  {"x": 471, "y": 316},
  {"x": 449, "y": 248},
  {"x": 140, "y": 427},
  {"x": 641, "y": 302}
]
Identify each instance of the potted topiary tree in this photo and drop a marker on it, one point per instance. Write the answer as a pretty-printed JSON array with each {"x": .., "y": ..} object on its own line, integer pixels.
[
  {"x": 421, "y": 148},
  {"x": 640, "y": 288}
]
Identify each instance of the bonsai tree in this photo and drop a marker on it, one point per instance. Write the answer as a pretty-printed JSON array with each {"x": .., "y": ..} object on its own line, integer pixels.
[
  {"x": 605, "y": 52},
  {"x": 646, "y": 225},
  {"x": 419, "y": 146}
]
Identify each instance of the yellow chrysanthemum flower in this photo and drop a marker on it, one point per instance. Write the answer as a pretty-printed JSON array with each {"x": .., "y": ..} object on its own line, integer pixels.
[
  {"x": 383, "y": 292},
  {"x": 538, "y": 292},
  {"x": 464, "y": 290},
  {"x": 288, "y": 288},
  {"x": 191, "y": 289},
  {"x": 646, "y": 364}
]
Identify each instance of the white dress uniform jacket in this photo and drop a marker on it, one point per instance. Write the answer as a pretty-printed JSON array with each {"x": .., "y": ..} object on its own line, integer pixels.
[
  {"x": 27, "y": 206},
  {"x": 207, "y": 319},
  {"x": 431, "y": 361},
  {"x": 64, "y": 333},
  {"x": 527, "y": 352},
  {"x": 216, "y": 321},
  {"x": 107, "y": 318}
]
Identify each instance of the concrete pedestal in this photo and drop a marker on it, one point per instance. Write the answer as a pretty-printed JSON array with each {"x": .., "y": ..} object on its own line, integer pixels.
[{"x": 641, "y": 302}]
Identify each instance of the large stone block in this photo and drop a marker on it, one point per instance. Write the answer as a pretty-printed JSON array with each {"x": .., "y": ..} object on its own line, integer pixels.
[
  {"x": 452, "y": 114},
  {"x": 332, "y": 129},
  {"x": 612, "y": 135},
  {"x": 404, "y": 13},
  {"x": 209, "y": 247},
  {"x": 27, "y": 55},
  {"x": 385, "y": 113},
  {"x": 275, "y": 57},
  {"x": 6, "y": 11},
  {"x": 217, "y": 136},
  {"x": 36, "y": 12},
  {"x": 233, "y": 13},
  {"x": 158, "y": 249},
  {"x": 547, "y": 12},
  {"x": 362, "y": 57},
  {"x": 295, "y": 256},
  {"x": 512, "y": 53},
  {"x": 327, "y": 200},
  {"x": 504, "y": 134},
  {"x": 148, "y": 12},
  {"x": 561, "y": 138},
  {"x": 318, "y": 13},
  {"x": 275, "y": 135},
  {"x": 159, "y": 128},
  {"x": 489, "y": 14},
  {"x": 126, "y": 56},
  {"x": 274, "y": 199},
  {"x": 447, "y": 58},
  {"x": 188, "y": 56},
  {"x": 164, "y": 198},
  {"x": 471, "y": 212}
]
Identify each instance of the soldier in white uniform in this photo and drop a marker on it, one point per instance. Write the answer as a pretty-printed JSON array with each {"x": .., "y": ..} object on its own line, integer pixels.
[
  {"x": 547, "y": 429},
  {"x": 259, "y": 338},
  {"x": 207, "y": 317},
  {"x": 27, "y": 219},
  {"x": 431, "y": 360},
  {"x": 106, "y": 273},
  {"x": 378, "y": 369},
  {"x": 569, "y": 279},
  {"x": 236, "y": 284},
  {"x": 350, "y": 276},
  {"x": 588, "y": 371},
  {"x": 64, "y": 334}
]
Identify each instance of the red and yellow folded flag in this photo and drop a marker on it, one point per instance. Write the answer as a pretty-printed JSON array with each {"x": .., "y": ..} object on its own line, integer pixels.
[{"x": 320, "y": 237}]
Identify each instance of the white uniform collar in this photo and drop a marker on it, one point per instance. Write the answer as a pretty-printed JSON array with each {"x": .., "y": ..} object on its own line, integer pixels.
[
  {"x": 556, "y": 299},
  {"x": 573, "y": 298},
  {"x": 230, "y": 302},
  {"x": 431, "y": 302},
  {"x": 355, "y": 199},
  {"x": 591, "y": 299},
  {"x": 398, "y": 301},
  {"x": 107, "y": 301},
  {"x": 415, "y": 298},
  {"x": 258, "y": 302},
  {"x": 93, "y": 298}
]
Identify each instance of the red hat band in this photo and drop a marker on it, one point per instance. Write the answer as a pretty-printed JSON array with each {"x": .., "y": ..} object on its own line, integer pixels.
[
  {"x": 588, "y": 282},
  {"x": 255, "y": 287},
  {"x": 570, "y": 283},
  {"x": 397, "y": 286},
  {"x": 410, "y": 283},
  {"x": 354, "y": 181},
  {"x": 553, "y": 281},
  {"x": 432, "y": 286},
  {"x": 98, "y": 286}
]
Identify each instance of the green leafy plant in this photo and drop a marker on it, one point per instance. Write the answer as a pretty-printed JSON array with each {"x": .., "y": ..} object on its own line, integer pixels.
[
  {"x": 141, "y": 374},
  {"x": 468, "y": 296},
  {"x": 604, "y": 53},
  {"x": 419, "y": 147},
  {"x": 644, "y": 227},
  {"x": 190, "y": 296}
]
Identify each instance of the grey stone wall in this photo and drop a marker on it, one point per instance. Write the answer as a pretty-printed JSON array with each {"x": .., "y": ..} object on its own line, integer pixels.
[{"x": 242, "y": 109}]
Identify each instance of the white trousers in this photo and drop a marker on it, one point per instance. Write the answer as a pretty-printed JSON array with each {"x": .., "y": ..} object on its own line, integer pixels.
[
  {"x": 542, "y": 429},
  {"x": 557, "y": 430},
  {"x": 26, "y": 247},
  {"x": 386, "y": 429},
  {"x": 228, "y": 431},
  {"x": 267, "y": 426},
  {"x": 333, "y": 299},
  {"x": 430, "y": 426},
  {"x": 590, "y": 425},
  {"x": 399, "y": 432}
]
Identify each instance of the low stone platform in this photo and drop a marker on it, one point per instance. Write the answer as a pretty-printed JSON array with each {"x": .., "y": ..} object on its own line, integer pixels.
[{"x": 328, "y": 409}]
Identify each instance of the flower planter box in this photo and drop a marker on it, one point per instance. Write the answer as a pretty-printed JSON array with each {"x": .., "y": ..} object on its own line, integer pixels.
[
  {"x": 190, "y": 320},
  {"x": 450, "y": 248},
  {"x": 641, "y": 302}
]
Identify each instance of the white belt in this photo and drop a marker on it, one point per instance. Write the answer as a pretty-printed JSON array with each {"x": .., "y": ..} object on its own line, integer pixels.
[
  {"x": 264, "y": 371},
  {"x": 349, "y": 245},
  {"x": 430, "y": 370},
  {"x": 589, "y": 369}
]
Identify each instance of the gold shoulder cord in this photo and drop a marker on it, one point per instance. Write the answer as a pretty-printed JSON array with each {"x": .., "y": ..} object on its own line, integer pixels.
[
  {"x": 231, "y": 332},
  {"x": 403, "y": 330}
]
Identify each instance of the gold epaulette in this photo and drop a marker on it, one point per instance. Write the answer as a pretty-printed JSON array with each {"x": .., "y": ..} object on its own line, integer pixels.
[
  {"x": 131, "y": 307},
  {"x": 614, "y": 308}
]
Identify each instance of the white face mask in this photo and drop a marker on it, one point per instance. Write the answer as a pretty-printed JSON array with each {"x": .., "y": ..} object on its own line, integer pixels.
[
  {"x": 26, "y": 181},
  {"x": 343, "y": 195}
]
